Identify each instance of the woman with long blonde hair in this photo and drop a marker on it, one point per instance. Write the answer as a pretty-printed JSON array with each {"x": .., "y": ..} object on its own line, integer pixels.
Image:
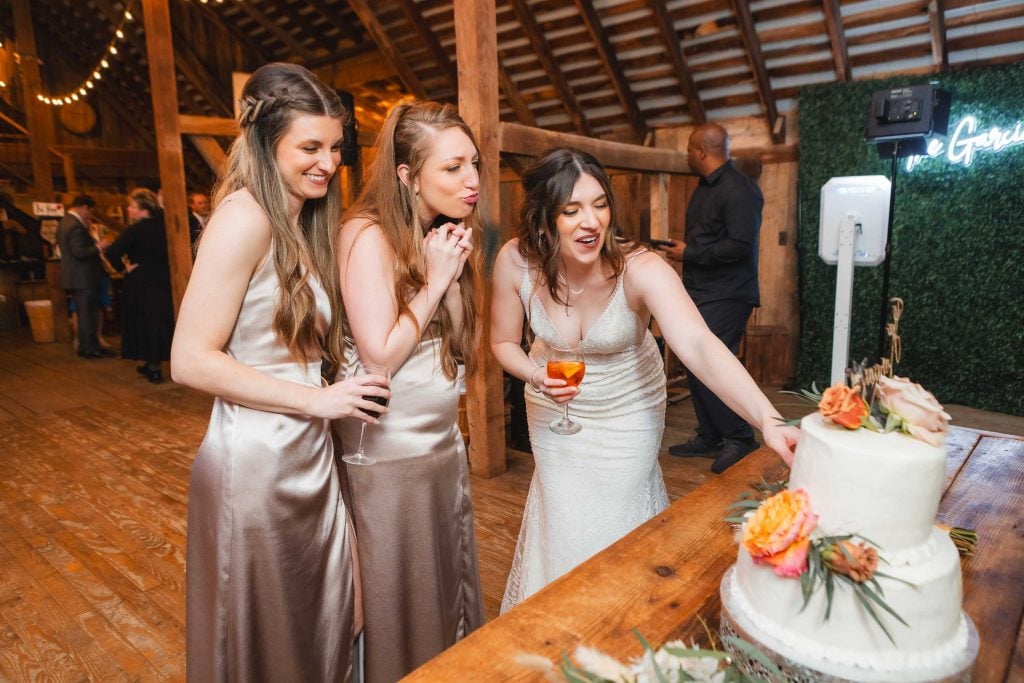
[
  {"x": 271, "y": 583},
  {"x": 407, "y": 276}
]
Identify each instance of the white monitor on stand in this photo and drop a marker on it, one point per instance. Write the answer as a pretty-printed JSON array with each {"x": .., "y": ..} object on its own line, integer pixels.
[{"x": 852, "y": 231}]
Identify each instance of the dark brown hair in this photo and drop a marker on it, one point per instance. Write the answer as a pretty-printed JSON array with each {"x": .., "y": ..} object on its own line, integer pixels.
[{"x": 548, "y": 186}]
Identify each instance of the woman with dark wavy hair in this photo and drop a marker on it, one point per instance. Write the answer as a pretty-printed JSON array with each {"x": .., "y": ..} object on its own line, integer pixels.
[
  {"x": 578, "y": 285},
  {"x": 271, "y": 584},
  {"x": 407, "y": 275}
]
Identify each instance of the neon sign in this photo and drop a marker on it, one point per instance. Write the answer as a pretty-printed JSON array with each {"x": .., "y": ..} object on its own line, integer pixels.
[{"x": 965, "y": 142}]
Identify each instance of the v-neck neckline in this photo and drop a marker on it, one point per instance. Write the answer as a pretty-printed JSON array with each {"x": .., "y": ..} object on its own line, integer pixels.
[{"x": 593, "y": 326}]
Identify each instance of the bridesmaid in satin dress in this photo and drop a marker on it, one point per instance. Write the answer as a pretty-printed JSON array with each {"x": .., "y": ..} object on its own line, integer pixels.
[
  {"x": 407, "y": 277},
  {"x": 271, "y": 580},
  {"x": 576, "y": 283}
]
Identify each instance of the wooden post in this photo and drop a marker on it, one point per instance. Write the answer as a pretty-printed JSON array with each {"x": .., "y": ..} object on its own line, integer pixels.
[
  {"x": 40, "y": 115},
  {"x": 476, "y": 45},
  {"x": 659, "y": 206},
  {"x": 164, "y": 88}
]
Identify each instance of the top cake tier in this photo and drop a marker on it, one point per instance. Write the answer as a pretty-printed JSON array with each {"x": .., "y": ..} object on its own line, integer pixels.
[{"x": 885, "y": 487}]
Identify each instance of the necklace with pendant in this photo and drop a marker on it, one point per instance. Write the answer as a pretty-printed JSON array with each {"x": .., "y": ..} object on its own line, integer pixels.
[{"x": 575, "y": 292}]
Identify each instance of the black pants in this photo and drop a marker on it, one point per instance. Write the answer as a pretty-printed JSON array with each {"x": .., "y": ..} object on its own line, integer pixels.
[
  {"x": 87, "y": 305},
  {"x": 715, "y": 421}
]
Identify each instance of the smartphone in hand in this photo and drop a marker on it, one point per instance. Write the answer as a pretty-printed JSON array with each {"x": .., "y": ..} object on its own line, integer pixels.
[{"x": 661, "y": 243}]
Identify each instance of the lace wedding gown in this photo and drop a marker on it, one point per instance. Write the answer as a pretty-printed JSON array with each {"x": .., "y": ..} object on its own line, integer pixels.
[{"x": 591, "y": 488}]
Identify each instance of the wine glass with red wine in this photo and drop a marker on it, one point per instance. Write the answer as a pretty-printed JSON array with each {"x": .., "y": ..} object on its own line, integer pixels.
[
  {"x": 359, "y": 457},
  {"x": 567, "y": 364}
]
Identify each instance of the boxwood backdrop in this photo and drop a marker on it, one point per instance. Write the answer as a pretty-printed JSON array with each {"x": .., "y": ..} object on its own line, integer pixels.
[{"x": 957, "y": 248}]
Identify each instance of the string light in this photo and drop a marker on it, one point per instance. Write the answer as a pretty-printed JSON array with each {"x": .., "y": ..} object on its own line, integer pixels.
[{"x": 95, "y": 74}]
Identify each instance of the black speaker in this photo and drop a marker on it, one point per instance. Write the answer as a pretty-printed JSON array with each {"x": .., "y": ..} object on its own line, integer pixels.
[{"x": 350, "y": 139}]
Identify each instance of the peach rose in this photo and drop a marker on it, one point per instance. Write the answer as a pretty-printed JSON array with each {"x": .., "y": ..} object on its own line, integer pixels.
[
  {"x": 859, "y": 562},
  {"x": 777, "y": 533},
  {"x": 843, "y": 406},
  {"x": 921, "y": 415}
]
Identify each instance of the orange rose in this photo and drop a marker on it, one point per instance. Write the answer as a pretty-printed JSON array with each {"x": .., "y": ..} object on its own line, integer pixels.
[
  {"x": 859, "y": 561},
  {"x": 777, "y": 533},
  {"x": 843, "y": 406}
]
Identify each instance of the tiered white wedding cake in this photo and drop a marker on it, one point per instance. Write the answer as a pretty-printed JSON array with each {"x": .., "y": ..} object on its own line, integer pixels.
[{"x": 884, "y": 489}]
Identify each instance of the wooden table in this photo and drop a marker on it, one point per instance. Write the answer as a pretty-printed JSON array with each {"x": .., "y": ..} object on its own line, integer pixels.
[{"x": 663, "y": 577}]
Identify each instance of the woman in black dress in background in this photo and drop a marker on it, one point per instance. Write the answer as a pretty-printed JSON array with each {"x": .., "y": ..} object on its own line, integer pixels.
[{"x": 147, "y": 313}]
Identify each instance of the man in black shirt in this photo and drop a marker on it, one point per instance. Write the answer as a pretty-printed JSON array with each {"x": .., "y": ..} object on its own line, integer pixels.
[{"x": 719, "y": 258}]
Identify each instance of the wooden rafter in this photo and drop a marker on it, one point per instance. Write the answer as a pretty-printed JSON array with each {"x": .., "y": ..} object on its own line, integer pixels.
[
  {"x": 429, "y": 38},
  {"x": 331, "y": 15},
  {"x": 606, "y": 53},
  {"x": 190, "y": 66},
  {"x": 678, "y": 60},
  {"x": 515, "y": 100},
  {"x": 305, "y": 23},
  {"x": 232, "y": 30},
  {"x": 937, "y": 24},
  {"x": 13, "y": 117},
  {"x": 541, "y": 48},
  {"x": 387, "y": 47},
  {"x": 745, "y": 23},
  {"x": 271, "y": 26},
  {"x": 837, "y": 37}
]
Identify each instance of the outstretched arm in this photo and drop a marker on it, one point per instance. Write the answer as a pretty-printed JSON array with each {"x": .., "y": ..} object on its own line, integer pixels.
[
  {"x": 236, "y": 241},
  {"x": 686, "y": 333}
]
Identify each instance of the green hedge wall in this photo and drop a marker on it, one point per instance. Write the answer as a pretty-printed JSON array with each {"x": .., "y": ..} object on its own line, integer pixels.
[{"x": 957, "y": 248}]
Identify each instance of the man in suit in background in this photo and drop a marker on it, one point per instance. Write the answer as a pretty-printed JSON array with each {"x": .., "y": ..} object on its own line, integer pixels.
[
  {"x": 82, "y": 273},
  {"x": 719, "y": 255},
  {"x": 198, "y": 212}
]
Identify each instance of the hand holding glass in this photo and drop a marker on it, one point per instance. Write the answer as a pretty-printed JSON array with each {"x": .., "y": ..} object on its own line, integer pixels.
[
  {"x": 359, "y": 457},
  {"x": 568, "y": 365}
]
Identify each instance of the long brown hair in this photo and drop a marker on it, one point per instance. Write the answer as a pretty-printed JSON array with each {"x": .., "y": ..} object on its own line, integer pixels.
[
  {"x": 548, "y": 186},
  {"x": 407, "y": 137},
  {"x": 272, "y": 96}
]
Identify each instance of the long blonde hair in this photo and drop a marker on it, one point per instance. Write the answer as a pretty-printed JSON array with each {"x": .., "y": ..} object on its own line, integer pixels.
[
  {"x": 407, "y": 137},
  {"x": 272, "y": 96}
]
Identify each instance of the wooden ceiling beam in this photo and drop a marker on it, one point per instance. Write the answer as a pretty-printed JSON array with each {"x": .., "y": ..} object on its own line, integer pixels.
[
  {"x": 377, "y": 33},
  {"x": 13, "y": 117},
  {"x": 748, "y": 32},
  {"x": 837, "y": 37},
  {"x": 541, "y": 48},
  {"x": 207, "y": 126},
  {"x": 937, "y": 24},
  {"x": 190, "y": 66},
  {"x": 519, "y": 139},
  {"x": 515, "y": 100},
  {"x": 232, "y": 30},
  {"x": 606, "y": 53},
  {"x": 678, "y": 60},
  {"x": 272, "y": 27},
  {"x": 331, "y": 15},
  {"x": 429, "y": 38},
  {"x": 305, "y": 23}
]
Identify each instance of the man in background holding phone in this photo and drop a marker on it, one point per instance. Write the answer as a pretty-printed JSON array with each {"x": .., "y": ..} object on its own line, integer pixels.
[{"x": 719, "y": 256}]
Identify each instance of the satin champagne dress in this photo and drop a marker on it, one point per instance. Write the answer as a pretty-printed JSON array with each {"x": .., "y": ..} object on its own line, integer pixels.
[
  {"x": 413, "y": 519},
  {"x": 269, "y": 565},
  {"x": 591, "y": 488}
]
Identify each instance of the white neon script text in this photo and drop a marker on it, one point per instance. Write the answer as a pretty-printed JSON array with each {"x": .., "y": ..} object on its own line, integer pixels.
[{"x": 963, "y": 144}]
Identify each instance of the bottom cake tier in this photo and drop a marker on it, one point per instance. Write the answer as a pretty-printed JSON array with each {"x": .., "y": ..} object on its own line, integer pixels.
[{"x": 816, "y": 656}]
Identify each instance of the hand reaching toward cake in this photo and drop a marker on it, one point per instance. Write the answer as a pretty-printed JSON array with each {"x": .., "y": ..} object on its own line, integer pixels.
[{"x": 781, "y": 438}]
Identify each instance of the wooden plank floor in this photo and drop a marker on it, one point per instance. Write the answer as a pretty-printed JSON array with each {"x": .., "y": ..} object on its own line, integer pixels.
[{"x": 94, "y": 466}]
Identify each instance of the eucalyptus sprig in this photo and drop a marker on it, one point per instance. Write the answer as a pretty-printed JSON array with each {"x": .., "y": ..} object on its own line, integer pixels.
[{"x": 869, "y": 592}]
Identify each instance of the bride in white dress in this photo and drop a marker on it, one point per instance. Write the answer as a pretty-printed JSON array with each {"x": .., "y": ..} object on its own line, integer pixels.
[{"x": 576, "y": 284}]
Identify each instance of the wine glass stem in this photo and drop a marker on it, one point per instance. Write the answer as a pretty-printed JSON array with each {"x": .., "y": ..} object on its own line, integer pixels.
[
  {"x": 362, "y": 430},
  {"x": 565, "y": 416}
]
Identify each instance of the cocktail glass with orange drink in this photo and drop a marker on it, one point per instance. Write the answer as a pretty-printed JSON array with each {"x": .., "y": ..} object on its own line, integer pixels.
[{"x": 568, "y": 365}]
